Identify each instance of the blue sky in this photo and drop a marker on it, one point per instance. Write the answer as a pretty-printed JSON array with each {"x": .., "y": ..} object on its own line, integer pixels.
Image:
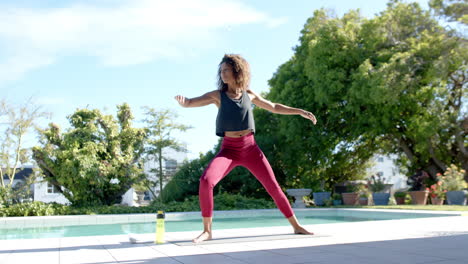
[{"x": 97, "y": 54}]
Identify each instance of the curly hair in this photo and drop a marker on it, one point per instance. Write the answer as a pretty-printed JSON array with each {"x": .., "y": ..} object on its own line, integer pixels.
[{"x": 241, "y": 71}]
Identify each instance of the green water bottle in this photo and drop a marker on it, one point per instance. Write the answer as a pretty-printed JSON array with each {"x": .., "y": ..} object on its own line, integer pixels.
[{"x": 160, "y": 228}]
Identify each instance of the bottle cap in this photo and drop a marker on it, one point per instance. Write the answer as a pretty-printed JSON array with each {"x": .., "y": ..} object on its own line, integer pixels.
[{"x": 160, "y": 215}]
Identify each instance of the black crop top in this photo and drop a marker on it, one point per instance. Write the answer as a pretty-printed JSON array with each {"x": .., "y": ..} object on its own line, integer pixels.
[{"x": 234, "y": 115}]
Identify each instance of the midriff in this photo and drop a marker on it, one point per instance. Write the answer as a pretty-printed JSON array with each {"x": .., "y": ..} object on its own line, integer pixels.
[{"x": 240, "y": 133}]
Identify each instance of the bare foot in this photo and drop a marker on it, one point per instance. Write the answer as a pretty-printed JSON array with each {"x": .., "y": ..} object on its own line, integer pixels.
[
  {"x": 203, "y": 237},
  {"x": 302, "y": 231}
]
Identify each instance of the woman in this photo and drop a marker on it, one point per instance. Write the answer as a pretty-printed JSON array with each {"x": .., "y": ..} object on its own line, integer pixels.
[{"x": 235, "y": 123}]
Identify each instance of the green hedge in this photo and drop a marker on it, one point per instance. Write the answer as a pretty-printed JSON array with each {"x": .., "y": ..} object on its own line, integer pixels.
[
  {"x": 33, "y": 209},
  {"x": 223, "y": 201}
]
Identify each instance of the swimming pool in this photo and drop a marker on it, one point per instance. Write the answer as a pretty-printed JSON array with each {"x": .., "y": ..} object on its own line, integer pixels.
[{"x": 74, "y": 226}]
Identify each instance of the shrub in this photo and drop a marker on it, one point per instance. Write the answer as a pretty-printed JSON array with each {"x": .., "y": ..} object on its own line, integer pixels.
[
  {"x": 376, "y": 183},
  {"x": 336, "y": 196},
  {"x": 417, "y": 181},
  {"x": 354, "y": 188},
  {"x": 437, "y": 190},
  {"x": 452, "y": 180},
  {"x": 33, "y": 209},
  {"x": 223, "y": 201},
  {"x": 399, "y": 194},
  {"x": 328, "y": 202}
]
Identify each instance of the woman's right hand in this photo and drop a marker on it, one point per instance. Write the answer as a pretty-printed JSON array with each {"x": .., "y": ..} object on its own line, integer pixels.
[
  {"x": 181, "y": 100},
  {"x": 206, "y": 99}
]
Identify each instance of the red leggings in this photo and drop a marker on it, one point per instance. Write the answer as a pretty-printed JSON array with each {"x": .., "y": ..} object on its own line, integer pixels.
[{"x": 245, "y": 152}]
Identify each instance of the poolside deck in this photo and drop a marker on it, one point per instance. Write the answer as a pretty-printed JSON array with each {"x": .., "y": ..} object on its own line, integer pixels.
[{"x": 442, "y": 240}]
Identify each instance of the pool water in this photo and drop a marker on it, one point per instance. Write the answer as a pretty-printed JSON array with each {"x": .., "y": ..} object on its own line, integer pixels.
[{"x": 308, "y": 218}]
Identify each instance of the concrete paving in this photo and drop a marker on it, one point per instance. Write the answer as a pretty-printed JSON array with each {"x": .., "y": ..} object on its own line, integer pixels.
[{"x": 441, "y": 240}]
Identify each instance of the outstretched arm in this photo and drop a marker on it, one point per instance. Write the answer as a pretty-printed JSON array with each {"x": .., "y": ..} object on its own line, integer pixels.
[
  {"x": 206, "y": 99},
  {"x": 280, "y": 108}
]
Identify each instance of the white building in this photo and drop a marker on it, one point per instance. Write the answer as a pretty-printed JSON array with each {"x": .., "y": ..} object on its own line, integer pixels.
[
  {"x": 48, "y": 193},
  {"x": 170, "y": 166},
  {"x": 385, "y": 166}
]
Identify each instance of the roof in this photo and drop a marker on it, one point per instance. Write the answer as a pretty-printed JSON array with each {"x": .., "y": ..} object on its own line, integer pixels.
[{"x": 21, "y": 175}]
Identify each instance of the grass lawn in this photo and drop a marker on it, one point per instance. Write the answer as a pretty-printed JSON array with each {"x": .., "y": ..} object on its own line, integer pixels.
[{"x": 411, "y": 207}]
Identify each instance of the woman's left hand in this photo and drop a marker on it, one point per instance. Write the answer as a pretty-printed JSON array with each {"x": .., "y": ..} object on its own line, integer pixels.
[{"x": 309, "y": 115}]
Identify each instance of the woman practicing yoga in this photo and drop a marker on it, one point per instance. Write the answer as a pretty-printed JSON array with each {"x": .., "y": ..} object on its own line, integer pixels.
[{"x": 235, "y": 123}]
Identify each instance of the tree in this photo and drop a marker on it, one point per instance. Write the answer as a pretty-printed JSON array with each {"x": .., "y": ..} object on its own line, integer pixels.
[
  {"x": 18, "y": 122},
  {"x": 95, "y": 161},
  {"x": 315, "y": 80},
  {"x": 395, "y": 83},
  {"x": 159, "y": 126},
  {"x": 454, "y": 10}
]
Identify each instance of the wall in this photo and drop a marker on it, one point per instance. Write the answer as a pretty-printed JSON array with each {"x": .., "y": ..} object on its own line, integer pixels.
[
  {"x": 40, "y": 194},
  {"x": 390, "y": 171}
]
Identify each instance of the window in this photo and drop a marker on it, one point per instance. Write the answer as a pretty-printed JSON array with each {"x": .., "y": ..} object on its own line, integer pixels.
[
  {"x": 380, "y": 159},
  {"x": 171, "y": 167},
  {"x": 380, "y": 173},
  {"x": 51, "y": 188}
]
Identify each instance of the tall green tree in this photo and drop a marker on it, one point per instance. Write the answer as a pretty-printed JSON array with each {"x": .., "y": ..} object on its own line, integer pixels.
[
  {"x": 95, "y": 161},
  {"x": 160, "y": 126},
  {"x": 16, "y": 123},
  {"x": 315, "y": 79},
  {"x": 396, "y": 82}
]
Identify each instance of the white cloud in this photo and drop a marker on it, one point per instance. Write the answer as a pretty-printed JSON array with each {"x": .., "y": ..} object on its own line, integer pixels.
[
  {"x": 16, "y": 64},
  {"x": 137, "y": 31}
]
